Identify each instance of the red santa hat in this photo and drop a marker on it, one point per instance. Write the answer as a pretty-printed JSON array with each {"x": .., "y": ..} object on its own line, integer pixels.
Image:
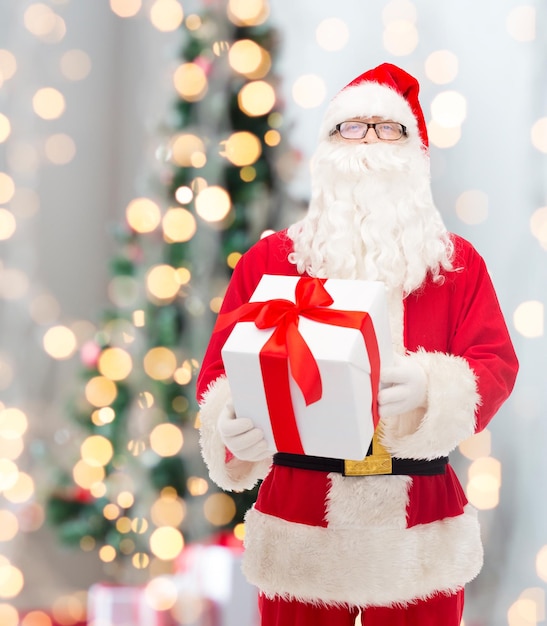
[{"x": 386, "y": 91}]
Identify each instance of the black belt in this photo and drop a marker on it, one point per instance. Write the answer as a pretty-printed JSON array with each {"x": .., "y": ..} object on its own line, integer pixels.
[{"x": 371, "y": 465}]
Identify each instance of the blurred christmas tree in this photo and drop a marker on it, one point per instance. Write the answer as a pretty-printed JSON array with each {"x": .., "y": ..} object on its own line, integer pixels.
[{"x": 137, "y": 490}]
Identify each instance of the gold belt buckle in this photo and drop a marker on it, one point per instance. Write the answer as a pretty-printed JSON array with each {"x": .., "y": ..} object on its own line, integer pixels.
[{"x": 375, "y": 464}]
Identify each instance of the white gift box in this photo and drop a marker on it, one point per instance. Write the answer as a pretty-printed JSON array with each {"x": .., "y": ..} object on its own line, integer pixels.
[{"x": 339, "y": 424}]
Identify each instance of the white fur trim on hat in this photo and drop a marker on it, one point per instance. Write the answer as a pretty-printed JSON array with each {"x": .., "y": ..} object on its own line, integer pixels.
[
  {"x": 369, "y": 99},
  {"x": 375, "y": 566},
  {"x": 452, "y": 400},
  {"x": 234, "y": 475}
]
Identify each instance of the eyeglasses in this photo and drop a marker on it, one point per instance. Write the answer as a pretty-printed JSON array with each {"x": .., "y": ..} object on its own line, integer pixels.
[{"x": 386, "y": 131}]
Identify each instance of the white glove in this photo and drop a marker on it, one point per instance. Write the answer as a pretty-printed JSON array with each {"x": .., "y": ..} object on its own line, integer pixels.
[
  {"x": 241, "y": 436},
  {"x": 406, "y": 387}
]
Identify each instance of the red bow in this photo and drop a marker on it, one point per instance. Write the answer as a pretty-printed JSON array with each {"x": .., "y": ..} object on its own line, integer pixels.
[{"x": 286, "y": 346}]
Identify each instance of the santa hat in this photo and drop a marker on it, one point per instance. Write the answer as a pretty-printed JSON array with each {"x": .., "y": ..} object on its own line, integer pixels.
[{"x": 386, "y": 91}]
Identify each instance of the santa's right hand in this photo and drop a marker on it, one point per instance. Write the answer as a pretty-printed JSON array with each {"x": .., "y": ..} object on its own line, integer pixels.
[{"x": 241, "y": 437}]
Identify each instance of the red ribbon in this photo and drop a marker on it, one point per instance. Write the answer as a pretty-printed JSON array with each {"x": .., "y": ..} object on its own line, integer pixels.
[{"x": 286, "y": 346}]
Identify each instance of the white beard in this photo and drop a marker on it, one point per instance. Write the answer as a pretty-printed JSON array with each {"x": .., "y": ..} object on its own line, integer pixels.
[{"x": 371, "y": 217}]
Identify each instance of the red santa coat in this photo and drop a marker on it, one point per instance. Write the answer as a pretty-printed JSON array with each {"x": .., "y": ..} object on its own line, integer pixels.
[{"x": 375, "y": 540}]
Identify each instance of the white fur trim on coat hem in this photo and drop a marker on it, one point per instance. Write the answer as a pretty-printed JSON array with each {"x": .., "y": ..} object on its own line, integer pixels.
[
  {"x": 236, "y": 475},
  {"x": 372, "y": 566},
  {"x": 452, "y": 401}
]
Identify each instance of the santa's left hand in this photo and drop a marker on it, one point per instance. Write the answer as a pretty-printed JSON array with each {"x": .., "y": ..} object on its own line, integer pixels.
[{"x": 405, "y": 387}]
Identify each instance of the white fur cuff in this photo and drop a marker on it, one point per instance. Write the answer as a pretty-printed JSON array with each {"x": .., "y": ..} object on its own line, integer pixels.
[
  {"x": 236, "y": 475},
  {"x": 452, "y": 400},
  {"x": 373, "y": 566}
]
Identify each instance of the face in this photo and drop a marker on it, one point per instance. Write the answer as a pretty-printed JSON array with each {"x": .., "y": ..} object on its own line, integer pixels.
[{"x": 385, "y": 131}]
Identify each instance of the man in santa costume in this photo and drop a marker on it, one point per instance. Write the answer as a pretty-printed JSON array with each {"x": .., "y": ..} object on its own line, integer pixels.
[{"x": 396, "y": 548}]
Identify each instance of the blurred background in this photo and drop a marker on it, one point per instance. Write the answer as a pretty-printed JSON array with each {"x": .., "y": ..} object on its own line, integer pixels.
[{"x": 144, "y": 146}]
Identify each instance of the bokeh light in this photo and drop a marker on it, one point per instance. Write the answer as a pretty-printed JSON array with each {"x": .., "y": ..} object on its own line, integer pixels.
[
  {"x": 8, "y": 615},
  {"x": 60, "y": 149},
  {"x": 7, "y": 224},
  {"x": 399, "y": 10},
  {"x": 188, "y": 150},
  {"x": 166, "y": 15},
  {"x": 22, "y": 491},
  {"x": 11, "y": 581},
  {"x": 190, "y": 81},
  {"x": 528, "y": 319},
  {"x": 197, "y": 486},
  {"x": 7, "y": 187},
  {"x": 11, "y": 448},
  {"x": 538, "y": 225},
  {"x": 8, "y": 64},
  {"x": 521, "y": 23},
  {"x": 14, "y": 283},
  {"x": 184, "y": 195},
  {"x": 161, "y": 593},
  {"x": 166, "y": 543},
  {"x": 442, "y": 137},
  {"x": 9, "y": 526},
  {"x": 484, "y": 483},
  {"x": 100, "y": 391},
  {"x": 178, "y": 225},
  {"x": 193, "y": 22},
  {"x": 332, "y": 34},
  {"x": 9, "y": 473},
  {"x": 96, "y": 450},
  {"x": 13, "y": 423},
  {"x": 541, "y": 563},
  {"x": 441, "y": 67},
  {"x": 213, "y": 204},
  {"x": 400, "y": 37},
  {"x": 75, "y": 64},
  {"x": 25, "y": 202},
  {"x": 60, "y": 342},
  {"x": 272, "y": 137},
  {"x": 69, "y": 609},
  {"x": 115, "y": 363},
  {"x": 248, "y": 58},
  {"x": 166, "y": 440},
  {"x": 472, "y": 206},
  {"x": 107, "y": 554},
  {"x": 125, "y": 8},
  {"x": 248, "y": 12},
  {"x": 143, "y": 215},
  {"x": 160, "y": 363},
  {"x": 39, "y": 19},
  {"x": 161, "y": 282},
  {"x": 242, "y": 148},
  {"x": 219, "y": 509},
  {"x": 105, "y": 415},
  {"x": 5, "y": 127},
  {"x": 168, "y": 510},
  {"x": 309, "y": 91},
  {"x": 539, "y": 135},
  {"x": 477, "y": 445},
  {"x": 256, "y": 98},
  {"x": 449, "y": 109},
  {"x": 86, "y": 476},
  {"x": 48, "y": 103}
]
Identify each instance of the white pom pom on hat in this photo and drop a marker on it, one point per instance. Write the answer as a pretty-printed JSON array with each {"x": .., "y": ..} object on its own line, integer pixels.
[{"x": 386, "y": 91}]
